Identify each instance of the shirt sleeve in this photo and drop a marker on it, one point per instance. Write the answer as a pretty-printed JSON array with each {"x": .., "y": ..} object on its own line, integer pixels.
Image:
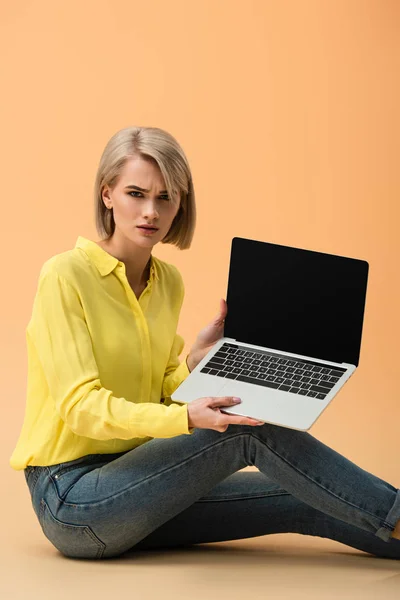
[
  {"x": 60, "y": 334},
  {"x": 176, "y": 371}
]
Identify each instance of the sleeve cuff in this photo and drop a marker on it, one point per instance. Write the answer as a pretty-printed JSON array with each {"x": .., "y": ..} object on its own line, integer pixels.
[{"x": 173, "y": 380}]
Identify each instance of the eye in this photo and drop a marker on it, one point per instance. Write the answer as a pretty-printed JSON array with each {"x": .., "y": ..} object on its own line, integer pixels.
[{"x": 163, "y": 196}]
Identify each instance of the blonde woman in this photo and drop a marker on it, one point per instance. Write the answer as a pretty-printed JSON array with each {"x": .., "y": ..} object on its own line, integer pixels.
[{"x": 111, "y": 462}]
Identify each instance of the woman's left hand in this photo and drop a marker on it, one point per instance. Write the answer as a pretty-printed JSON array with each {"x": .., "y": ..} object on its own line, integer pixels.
[{"x": 208, "y": 336}]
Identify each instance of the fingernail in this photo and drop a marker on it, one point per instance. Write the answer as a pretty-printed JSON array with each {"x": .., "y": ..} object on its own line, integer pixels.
[{"x": 236, "y": 399}]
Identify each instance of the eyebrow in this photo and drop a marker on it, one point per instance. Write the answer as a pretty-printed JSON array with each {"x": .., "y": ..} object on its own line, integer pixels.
[{"x": 136, "y": 187}]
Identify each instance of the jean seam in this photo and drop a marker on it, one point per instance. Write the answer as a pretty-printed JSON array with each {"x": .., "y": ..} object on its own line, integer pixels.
[
  {"x": 319, "y": 485},
  {"x": 244, "y": 497}
]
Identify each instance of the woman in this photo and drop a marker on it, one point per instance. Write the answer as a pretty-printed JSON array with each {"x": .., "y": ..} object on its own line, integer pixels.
[{"x": 111, "y": 462}]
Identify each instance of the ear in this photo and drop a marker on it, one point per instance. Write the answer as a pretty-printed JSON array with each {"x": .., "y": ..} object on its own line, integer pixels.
[{"x": 105, "y": 195}]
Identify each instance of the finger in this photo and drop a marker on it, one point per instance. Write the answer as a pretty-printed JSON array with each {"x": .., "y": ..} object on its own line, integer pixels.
[
  {"x": 216, "y": 401},
  {"x": 232, "y": 420}
]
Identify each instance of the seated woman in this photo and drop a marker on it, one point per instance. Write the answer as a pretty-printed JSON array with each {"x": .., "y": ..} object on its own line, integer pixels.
[{"x": 111, "y": 462}]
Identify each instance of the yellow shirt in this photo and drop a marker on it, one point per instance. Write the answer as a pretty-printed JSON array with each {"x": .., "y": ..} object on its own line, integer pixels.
[{"x": 100, "y": 361}]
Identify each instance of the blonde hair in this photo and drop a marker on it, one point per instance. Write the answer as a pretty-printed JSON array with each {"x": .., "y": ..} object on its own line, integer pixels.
[{"x": 159, "y": 145}]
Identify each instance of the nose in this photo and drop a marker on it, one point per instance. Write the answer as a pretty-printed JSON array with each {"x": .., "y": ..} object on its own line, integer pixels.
[{"x": 150, "y": 210}]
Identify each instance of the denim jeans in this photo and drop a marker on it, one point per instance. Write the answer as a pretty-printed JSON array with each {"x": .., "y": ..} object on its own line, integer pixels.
[{"x": 190, "y": 489}]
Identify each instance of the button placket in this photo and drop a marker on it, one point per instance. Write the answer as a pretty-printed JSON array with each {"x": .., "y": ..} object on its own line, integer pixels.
[{"x": 144, "y": 330}]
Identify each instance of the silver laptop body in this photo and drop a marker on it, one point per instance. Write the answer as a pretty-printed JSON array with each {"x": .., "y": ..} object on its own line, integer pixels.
[{"x": 292, "y": 333}]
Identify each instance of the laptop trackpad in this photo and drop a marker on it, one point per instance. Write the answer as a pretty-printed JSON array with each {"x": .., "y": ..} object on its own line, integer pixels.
[
  {"x": 238, "y": 388},
  {"x": 249, "y": 395}
]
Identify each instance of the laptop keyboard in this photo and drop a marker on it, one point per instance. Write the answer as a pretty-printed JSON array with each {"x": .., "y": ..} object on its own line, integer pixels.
[{"x": 273, "y": 370}]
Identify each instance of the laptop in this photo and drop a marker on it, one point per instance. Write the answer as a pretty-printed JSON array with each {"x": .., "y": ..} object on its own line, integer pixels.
[{"x": 292, "y": 333}]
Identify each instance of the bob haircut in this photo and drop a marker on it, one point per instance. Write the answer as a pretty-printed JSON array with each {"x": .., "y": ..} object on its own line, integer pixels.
[{"x": 149, "y": 143}]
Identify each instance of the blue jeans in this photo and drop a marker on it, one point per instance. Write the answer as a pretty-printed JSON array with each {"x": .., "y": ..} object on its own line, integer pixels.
[{"x": 187, "y": 490}]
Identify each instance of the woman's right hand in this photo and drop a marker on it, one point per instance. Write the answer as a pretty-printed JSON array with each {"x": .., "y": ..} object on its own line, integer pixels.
[{"x": 204, "y": 413}]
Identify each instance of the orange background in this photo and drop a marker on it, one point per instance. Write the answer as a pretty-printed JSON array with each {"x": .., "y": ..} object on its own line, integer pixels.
[{"x": 288, "y": 113}]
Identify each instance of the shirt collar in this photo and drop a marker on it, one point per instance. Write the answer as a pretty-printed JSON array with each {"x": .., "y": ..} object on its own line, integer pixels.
[{"x": 104, "y": 261}]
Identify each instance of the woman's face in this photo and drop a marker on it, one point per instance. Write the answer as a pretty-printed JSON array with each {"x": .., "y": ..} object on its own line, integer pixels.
[{"x": 133, "y": 207}]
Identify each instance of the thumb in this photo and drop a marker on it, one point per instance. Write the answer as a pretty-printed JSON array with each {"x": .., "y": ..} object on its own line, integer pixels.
[{"x": 223, "y": 308}]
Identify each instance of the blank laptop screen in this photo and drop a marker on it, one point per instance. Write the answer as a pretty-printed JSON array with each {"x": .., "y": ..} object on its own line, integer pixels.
[{"x": 296, "y": 300}]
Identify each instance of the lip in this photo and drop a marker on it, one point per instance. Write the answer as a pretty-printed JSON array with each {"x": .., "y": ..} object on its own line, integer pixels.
[{"x": 147, "y": 227}]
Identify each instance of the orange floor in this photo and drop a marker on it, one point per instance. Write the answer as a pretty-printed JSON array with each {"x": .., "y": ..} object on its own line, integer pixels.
[{"x": 278, "y": 566}]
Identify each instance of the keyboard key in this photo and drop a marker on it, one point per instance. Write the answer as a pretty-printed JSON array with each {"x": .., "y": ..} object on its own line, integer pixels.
[
  {"x": 302, "y": 392},
  {"x": 217, "y": 358},
  {"x": 312, "y": 394},
  {"x": 262, "y": 382},
  {"x": 214, "y": 365},
  {"x": 336, "y": 374},
  {"x": 231, "y": 376},
  {"x": 284, "y": 388},
  {"x": 320, "y": 396},
  {"x": 205, "y": 370},
  {"x": 326, "y": 384},
  {"x": 319, "y": 388}
]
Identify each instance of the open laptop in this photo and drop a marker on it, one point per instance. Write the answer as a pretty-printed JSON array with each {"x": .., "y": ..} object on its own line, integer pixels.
[{"x": 292, "y": 333}]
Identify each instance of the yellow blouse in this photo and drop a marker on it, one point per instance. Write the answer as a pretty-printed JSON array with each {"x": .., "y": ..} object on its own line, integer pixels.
[{"x": 102, "y": 364}]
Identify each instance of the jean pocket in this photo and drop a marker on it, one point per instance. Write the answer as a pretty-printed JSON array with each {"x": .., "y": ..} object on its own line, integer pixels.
[{"x": 74, "y": 541}]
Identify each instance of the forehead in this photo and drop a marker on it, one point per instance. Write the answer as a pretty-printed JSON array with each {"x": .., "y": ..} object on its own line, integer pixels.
[{"x": 142, "y": 172}]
